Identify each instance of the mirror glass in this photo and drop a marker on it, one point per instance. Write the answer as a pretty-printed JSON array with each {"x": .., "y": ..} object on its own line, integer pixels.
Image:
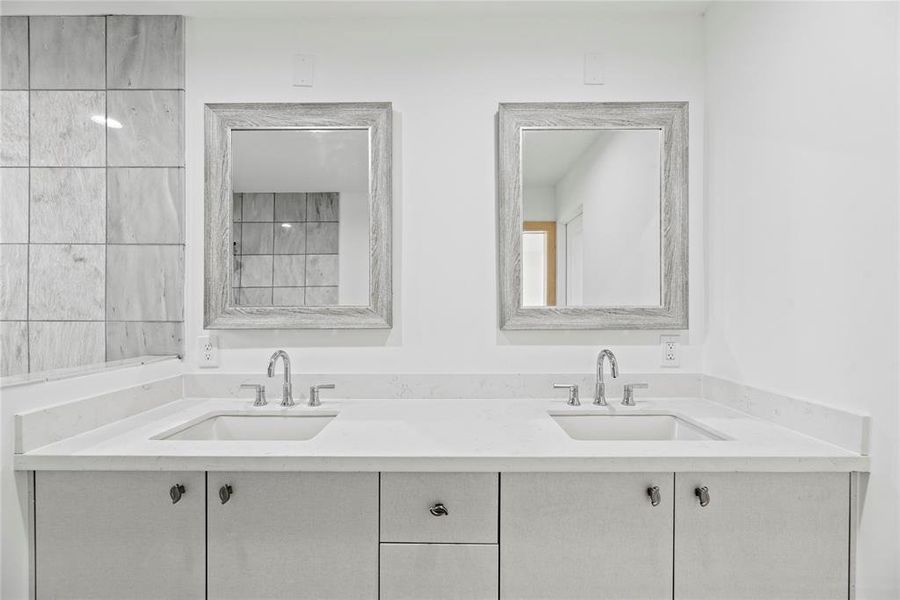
[
  {"x": 592, "y": 209},
  {"x": 300, "y": 217}
]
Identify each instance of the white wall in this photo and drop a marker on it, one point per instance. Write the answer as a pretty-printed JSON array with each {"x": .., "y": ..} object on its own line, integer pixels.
[
  {"x": 616, "y": 186},
  {"x": 802, "y": 224},
  {"x": 353, "y": 248},
  {"x": 445, "y": 74}
]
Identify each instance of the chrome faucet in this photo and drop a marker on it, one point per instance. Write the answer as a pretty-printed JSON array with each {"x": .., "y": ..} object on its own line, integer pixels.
[
  {"x": 600, "y": 388},
  {"x": 287, "y": 398}
]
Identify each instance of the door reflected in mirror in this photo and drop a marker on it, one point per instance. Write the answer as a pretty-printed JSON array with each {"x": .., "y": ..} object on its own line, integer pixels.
[
  {"x": 300, "y": 217},
  {"x": 591, "y": 234}
]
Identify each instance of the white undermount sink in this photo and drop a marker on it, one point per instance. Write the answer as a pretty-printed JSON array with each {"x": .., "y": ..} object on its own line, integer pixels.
[
  {"x": 251, "y": 427},
  {"x": 632, "y": 426}
]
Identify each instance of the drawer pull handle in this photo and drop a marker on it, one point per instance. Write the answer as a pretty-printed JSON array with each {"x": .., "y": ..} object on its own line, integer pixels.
[
  {"x": 703, "y": 494},
  {"x": 175, "y": 492},
  {"x": 653, "y": 492},
  {"x": 439, "y": 510},
  {"x": 225, "y": 493}
]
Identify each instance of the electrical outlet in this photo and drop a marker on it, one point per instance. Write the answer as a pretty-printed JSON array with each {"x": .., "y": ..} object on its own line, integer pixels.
[
  {"x": 670, "y": 350},
  {"x": 209, "y": 351}
]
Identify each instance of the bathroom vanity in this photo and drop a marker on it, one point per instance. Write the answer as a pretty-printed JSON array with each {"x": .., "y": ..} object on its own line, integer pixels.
[{"x": 412, "y": 499}]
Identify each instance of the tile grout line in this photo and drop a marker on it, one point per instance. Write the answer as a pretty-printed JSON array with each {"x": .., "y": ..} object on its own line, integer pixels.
[
  {"x": 106, "y": 188},
  {"x": 28, "y": 211}
]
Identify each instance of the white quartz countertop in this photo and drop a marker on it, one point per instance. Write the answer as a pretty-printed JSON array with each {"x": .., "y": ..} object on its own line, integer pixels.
[{"x": 442, "y": 435}]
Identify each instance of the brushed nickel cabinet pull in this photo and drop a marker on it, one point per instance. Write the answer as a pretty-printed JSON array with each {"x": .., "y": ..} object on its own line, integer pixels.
[
  {"x": 225, "y": 493},
  {"x": 653, "y": 492},
  {"x": 175, "y": 492},
  {"x": 439, "y": 510},
  {"x": 703, "y": 494}
]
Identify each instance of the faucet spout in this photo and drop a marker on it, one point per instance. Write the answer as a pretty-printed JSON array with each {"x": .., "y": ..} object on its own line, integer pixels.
[
  {"x": 287, "y": 397},
  {"x": 600, "y": 388}
]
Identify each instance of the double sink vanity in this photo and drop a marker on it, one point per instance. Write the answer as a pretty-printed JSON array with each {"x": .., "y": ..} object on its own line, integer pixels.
[{"x": 552, "y": 498}]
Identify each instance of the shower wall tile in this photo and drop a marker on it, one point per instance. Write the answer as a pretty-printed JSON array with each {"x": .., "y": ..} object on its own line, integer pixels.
[
  {"x": 290, "y": 207},
  {"x": 60, "y": 345},
  {"x": 13, "y": 205},
  {"x": 145, "y": 52},
  {"x": 152, "y": 132},
  {"x": 322, "y": 238},
  {"x": 322, "y": 207},
  {"x": 68, "y": 53},
  {"x": 68, "y": 206},
  {"x": 66, "y": 282},
  {"x": 258, "y": 207},
  {"x": 62, "y": 132},
  {"x": 321, "y": 269},
  {"x": 287, "y": 296},
  {"x": 290, "y": 240},
  {"x": 146, "y": 206},
  {"x": 145, "y": 283},
  {"x": 290, "y": 271},
  {"x": 13, "y": 129},
  {"x": 236, "y": 208},
  {"x": 321, "y": 296},
  {"x": 255, "y": 296},
  {"x": 256, "y": 238},
  {"x": 13, "y": 281},
  {"x": 13, "y": 348},
  {"x": 256, "y": 271},
  {"x": 14, "y": 53},
  {"x": 127, "y": 340}
]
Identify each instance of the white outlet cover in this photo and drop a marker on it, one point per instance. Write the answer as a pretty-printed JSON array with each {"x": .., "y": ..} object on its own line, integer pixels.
[
  {"x": 304, "y": 70},
  {"x": 593, "y": 69},
  {"x": 664, "y": 360},
  {"x": 208, "y": 352}
]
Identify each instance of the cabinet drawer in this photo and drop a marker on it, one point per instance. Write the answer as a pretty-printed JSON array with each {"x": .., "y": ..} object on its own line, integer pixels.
[
  {"x": 439, "y": 572},
  {"x": 471, "y": 501}
]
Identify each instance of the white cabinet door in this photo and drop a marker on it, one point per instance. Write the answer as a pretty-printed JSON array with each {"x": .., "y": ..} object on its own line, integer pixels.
[
  {"x": 585, "y": 535},
  {"x": 762, "y": 535},
  {"x": 119, "y": 535},
  {"x": 438, "y": 572},
  {"x": 293, "y": 535}
]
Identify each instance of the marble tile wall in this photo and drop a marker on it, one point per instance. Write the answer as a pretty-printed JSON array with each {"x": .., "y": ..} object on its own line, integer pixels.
[
  {"x": 286, "y": 249},
  {"x": 91, "y": 189}
]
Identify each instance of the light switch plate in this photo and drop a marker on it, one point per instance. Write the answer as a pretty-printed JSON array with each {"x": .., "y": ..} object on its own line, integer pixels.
[
  {"x": 304, "y": 70},
  {"x": 593, "y": 69}
]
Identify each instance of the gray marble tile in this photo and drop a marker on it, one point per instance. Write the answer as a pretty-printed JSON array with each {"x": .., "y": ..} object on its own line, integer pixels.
[
  {"x": 290, "y": 207},
  {"x": 145, "y": 52},
  {"x": 13, "y": 281},
  {"x": 14, "y": 129},
  {"x": 67, "y": 53},
  {"x": 13, "y": 205},
  {"x": 321, "y": 269},
  {"x": 60, "y": 345},
  {"x": 127, "y": 340},
  {"x": 322, "y": 296},
  {"x": 236, "y": 238},
  {"x": 235, "y": 271},
  {"x": 68, "y": 206},
  {"x": 152, "y": 132},
  {"x": 256, "y": 271},
  {"x": 14, "y": 53},
  {"x": 146, "y": 206},
  {"x": 290, "y": 270},
  {"x": 254, "y": 296},
  {"x": 322, "y": 207},
  {"x": 62, "y": 132},
  {"x": 322, "y": 238},
  {"x": 287, "y": 296},
  {"x": 236, "y": 208},
  {"x": 290, "y": 240},
  {"x": 256, "y": 238},
  {"x": 13, "y": 348},
  {"x": 66, "y": 282},
  {"x": 145, "y": 283},
  {"x": 258, "y": 207}
]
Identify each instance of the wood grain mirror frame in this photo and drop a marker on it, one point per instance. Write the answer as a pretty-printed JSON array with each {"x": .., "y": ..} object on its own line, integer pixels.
[
  {"x": 220, "y": 311},
  {"x": 671, "y": 118}
]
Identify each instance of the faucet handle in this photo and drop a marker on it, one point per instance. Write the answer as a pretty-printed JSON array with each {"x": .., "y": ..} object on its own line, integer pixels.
[
  {"x": 628, "y": 396},
  {"x": 260, "y": 392},
  {"x": 573, "y": 392},
  {"x": 314, "y": 393}
]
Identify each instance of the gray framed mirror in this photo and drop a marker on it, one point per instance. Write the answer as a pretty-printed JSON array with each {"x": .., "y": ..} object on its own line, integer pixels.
[
  {"x": 593, "y": 215},
  {"x": 298, "y": 216}
]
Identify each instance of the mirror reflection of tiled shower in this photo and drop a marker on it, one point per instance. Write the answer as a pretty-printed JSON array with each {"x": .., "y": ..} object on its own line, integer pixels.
[{"x": 286, "y": 249}]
